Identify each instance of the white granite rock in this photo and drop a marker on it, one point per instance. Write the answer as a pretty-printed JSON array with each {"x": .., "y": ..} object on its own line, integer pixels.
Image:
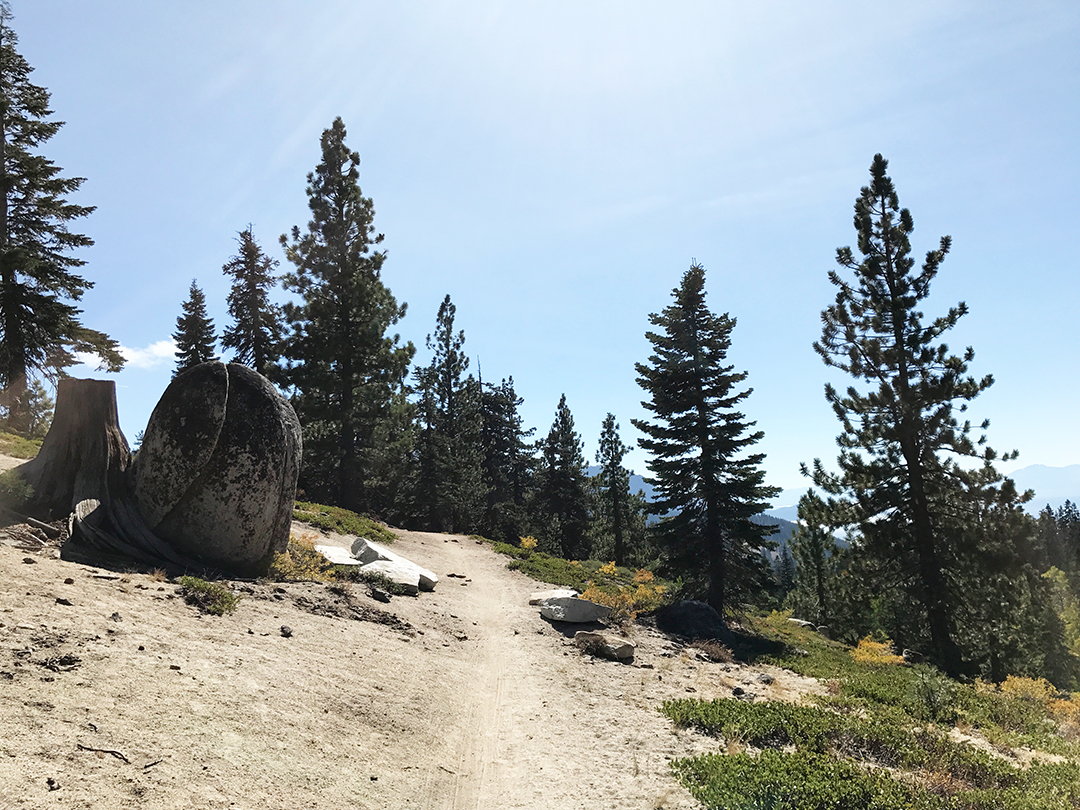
[
  {"x": 540, "y": 597},
  {"x": 572, "y": 609},
  {"x": 338, "y": 555},
  {"x": 403, "y": 575},
  {"x": 367, "y": 552},
  {"x": 607, "y": 646}
]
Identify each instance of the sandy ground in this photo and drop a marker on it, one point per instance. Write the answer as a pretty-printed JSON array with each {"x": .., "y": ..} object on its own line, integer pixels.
[{"x": 124, "y": 696}]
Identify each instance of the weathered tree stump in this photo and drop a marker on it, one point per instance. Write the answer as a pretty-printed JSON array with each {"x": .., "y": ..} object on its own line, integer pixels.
[{"x": 84, "y": 456}]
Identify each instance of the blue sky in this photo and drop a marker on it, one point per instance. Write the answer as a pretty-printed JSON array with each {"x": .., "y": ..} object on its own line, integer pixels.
[{"x": 555, "y": 167}]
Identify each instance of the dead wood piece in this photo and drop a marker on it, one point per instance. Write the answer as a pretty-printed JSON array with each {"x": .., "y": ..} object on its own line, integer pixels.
[{"x": 108, "y": 751}]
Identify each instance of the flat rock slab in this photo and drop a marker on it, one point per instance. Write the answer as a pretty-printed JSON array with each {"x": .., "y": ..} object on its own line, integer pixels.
[
  {"x": 367, "y": 552},
  {"x": 404, "y": 575},
  {"x": 338, "y": 555},
  {"x": 572, "y": 609},
  {"x": 540, "y": 597},
  {"x": 605, "y": 645}
]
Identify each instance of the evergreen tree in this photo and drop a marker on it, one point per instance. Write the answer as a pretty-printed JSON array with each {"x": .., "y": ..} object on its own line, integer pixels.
[
  {"x": 813, "y": 546},
  {"x": 900, "y": 436},
  {"x": 614, "y": 480},
  {"x": 346, "y": 372},
  {"x": 450, "y": 488},
  {"x": 194, "y": 333},
  {"x": 40, "y": 330},
  {"x": 785, "y": 571},
  {"x": 255, "y": 334},
  {"x": 562, "y": 493},
  {"x": 704, "y": 480},
  {"x": 508, "y": 462}
]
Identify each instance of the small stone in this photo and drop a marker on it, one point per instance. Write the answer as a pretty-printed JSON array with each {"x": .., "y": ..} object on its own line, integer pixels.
[
  {"x": 461, "y": 636},
  {"x": 765, "y": 678},
  {"x": 52, "y": 783},
  {"x": 116, "y": 617},
  {"x": 29, "y": 560},
  {"x": 61, "y": 601},
  {"x": 286, "y": 631},
  {"x": 738, "y": 691},
  {"x": 69, "y": 581},
  {"x": 175, "y": 667},
  {"x": 379, "y": 595},
  {"x": 141, "y": 648}
]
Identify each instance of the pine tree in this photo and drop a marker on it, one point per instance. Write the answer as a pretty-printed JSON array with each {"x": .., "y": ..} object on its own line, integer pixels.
[
  {"x": 614, "y": 484},
  {"x": 706, "y": 485},
  {"x": 255, "y": 334},
  {"x": 901, "y": 435},
  {"x": 507, "y": 462},
  {"x": 813, "y": 547},
  {"x": 450, "y": 487},
  {"x": 40, "y": 330},
  {"x": 346, "y": 372},
  {"x": 194, "y": 333},
  {"x": 562, "y": 493}
]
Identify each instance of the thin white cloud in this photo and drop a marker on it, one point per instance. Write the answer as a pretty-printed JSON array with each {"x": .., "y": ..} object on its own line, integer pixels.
[{"x": 154, "y": 355}]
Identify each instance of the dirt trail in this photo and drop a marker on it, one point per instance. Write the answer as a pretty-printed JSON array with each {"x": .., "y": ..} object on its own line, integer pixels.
[{"x": 481, "y": 705}]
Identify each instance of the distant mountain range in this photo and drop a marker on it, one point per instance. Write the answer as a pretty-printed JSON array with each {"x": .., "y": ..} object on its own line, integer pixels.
[{"x": 1052, "y": 485}]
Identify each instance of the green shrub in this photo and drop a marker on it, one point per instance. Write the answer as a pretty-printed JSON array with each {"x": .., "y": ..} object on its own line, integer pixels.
[
  {"x": 336, "y": 519},
  {"x": 14, "y": 491},
  {"x": 209, "y": 597},
  {"x": 799, "y": 781},
  {"x": 931, "y": 695}
]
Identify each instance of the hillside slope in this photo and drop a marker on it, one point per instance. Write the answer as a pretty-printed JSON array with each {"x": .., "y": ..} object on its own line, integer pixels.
[{"x": 461, "y": 698}]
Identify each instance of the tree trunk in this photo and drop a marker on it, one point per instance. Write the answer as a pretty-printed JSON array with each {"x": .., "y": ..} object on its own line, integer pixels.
[
  {"x": 84, "y": 456},
  {"x": 80, "y": 473}
]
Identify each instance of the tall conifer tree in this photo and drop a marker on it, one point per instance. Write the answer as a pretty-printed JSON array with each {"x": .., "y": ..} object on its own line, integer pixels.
[
  {"x": 508, "y": 462},
  {"x": 450, "y": 486},
  {"x": 914, "y": 504},
  {"x": 813, "y": 547},
  {"x": 614, "y": 484},
  {"x": 194, "y": 334},
  {"x": 562, "y": 491},
  {"x": 346, "y": 371},
  {"x": 707, "y": 485},
  {"x": 40, "y": 329},
  {"x": 255, "y": 334}
]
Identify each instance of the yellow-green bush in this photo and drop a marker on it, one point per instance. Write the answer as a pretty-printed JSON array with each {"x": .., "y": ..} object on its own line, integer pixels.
[{"x": 875, "y": 653}]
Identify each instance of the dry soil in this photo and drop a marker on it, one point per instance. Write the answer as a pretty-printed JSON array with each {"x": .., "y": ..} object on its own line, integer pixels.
[{"x": 115, "y": 693}]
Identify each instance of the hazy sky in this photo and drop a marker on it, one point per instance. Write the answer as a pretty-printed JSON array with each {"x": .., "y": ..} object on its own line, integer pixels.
[{"x": 555, "y": 166}]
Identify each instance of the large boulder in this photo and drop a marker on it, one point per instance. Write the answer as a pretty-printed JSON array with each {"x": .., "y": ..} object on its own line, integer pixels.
[
  {"x": 216, "y": 474},
  {"x": 572, "y": 609}
]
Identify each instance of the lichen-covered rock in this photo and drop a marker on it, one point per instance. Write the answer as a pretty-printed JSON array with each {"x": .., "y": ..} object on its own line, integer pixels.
[{"x": 216, "y": 474}]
